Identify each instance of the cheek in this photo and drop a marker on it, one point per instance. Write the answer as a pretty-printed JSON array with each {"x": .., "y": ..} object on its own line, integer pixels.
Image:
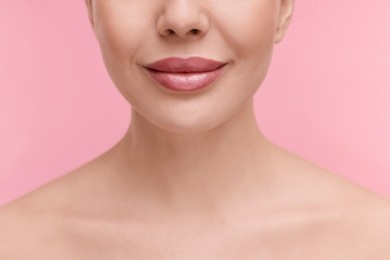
[
  {"x": 257, "y": 38},
  {"x": 251, "y": 25},
  {"x": 251, "y": 34},
  {"x": 120, "y": 28}
]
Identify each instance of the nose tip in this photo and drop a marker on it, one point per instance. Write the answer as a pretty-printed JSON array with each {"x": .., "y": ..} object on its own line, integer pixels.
[{"x": 182, "y": 21}]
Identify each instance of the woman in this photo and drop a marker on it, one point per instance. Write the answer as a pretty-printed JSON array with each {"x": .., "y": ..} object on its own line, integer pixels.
[{"x": 194, "y": 177}]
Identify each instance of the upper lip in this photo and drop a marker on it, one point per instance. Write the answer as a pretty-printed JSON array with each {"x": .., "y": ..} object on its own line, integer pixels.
[{"x": 192, "y": 64}]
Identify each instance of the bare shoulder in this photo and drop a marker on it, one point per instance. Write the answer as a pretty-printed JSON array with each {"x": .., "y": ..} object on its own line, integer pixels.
[
  {"x": 363, "y": 224},
  {"x": 360, "y": 225},
  {"x": 51, "y": 197},
  {"x": 344, "y": 216},
  {"x": 41, "y": 217},
  {"x": 45, "y": 215},
  {"x": 378, "y": 220},
  {"x": 10, "y": 232},
  {"x": 21, "y": 229},
  {"x": 26, "y": 227}
]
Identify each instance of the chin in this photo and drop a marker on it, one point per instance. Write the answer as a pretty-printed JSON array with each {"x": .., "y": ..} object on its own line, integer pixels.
[{"x": 182, "y": 123}]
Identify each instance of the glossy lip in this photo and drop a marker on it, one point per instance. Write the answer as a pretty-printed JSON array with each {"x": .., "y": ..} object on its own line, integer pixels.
[
  {"x": 192, "y": 64},
  {"x": 185, "y": 74}
]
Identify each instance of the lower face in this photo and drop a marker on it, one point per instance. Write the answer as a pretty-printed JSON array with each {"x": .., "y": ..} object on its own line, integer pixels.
[{"x": 239, "y": 33}]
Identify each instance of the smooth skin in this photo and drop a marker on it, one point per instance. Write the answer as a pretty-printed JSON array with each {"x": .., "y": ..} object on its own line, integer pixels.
[{"x": 194, "y": 177}]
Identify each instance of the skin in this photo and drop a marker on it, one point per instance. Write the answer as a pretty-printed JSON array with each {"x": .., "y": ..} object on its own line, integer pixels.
[{"x": 194, "y": 177}]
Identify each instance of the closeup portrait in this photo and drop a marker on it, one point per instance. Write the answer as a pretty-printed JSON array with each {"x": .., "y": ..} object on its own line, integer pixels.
[{"x": 194, "y": 129}]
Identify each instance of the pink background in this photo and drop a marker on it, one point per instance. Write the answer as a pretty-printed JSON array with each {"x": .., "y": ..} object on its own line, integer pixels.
[{"x": 326, "y": 98}]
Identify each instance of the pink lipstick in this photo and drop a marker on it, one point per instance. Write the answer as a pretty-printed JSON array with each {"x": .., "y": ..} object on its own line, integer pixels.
[{"x": 185, "y": 74}]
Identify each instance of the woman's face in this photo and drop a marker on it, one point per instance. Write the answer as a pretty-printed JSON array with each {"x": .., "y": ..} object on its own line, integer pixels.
[{"x": 134, "y": 33}]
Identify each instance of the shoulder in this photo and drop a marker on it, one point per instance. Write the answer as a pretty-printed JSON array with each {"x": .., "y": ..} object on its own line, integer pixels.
[
  {"x": 351, "y": 218},
  {"x": 363, "y": 224},
  {"x": 46, "y": 215},
  {"x": 9, "y": 233},
  {"x": 378, "y": 223},
  {"x": 30, "y": 228},
  {"x": 38, "y": 218},
  {"x": 18, "y": 230},
  {"x": 355, "y": 227}
]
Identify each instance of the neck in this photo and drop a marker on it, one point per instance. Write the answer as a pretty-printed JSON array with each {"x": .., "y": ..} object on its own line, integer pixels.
[{"x": 202, "y": 171}]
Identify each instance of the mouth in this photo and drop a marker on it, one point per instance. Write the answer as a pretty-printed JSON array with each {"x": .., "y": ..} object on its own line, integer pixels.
[
  {"x": 188, "y": 65},
  {"x": 185, "y": 74}
]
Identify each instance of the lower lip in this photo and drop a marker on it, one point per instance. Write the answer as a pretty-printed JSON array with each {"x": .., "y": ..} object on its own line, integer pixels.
[{"x": 186, "y": 81}]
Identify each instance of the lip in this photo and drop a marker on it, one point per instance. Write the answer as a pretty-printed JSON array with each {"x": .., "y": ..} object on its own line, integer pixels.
[{"x": 185, "y": 74}]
